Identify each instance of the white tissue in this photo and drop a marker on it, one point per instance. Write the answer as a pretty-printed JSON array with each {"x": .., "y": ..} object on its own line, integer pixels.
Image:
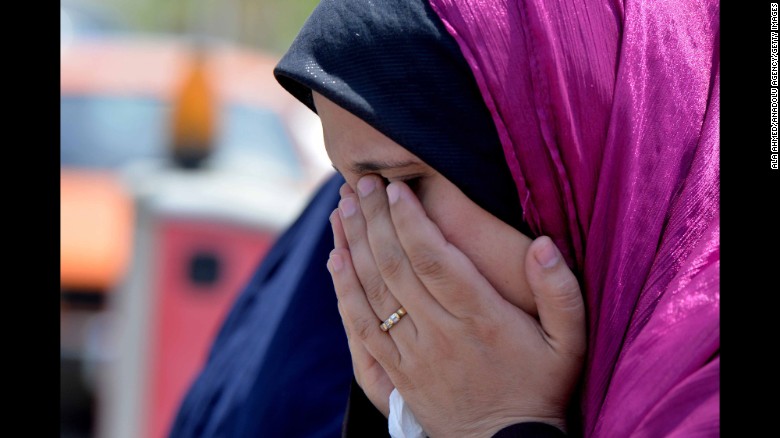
[{"x": 401, "y": 422}]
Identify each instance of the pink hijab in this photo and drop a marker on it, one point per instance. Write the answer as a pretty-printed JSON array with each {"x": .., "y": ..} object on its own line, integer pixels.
[{"x": 608, "y": 112}]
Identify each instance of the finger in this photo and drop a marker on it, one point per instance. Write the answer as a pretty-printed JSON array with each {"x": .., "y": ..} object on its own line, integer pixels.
[
  {"x": 558, "y": 297},
  {"x": 388, "y": 254},
  {"x": 339, "y": 239},
  {"x": 449, "y": 276},
  {"x": 345, "y": 190},
  {"x": 356, "y": 313},
  {"x": 368, "y": 372},
  {"x": 382, "y": 302}
]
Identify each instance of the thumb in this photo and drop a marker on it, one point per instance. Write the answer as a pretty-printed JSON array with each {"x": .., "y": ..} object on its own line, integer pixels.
[{"x": 557, "y": 295}]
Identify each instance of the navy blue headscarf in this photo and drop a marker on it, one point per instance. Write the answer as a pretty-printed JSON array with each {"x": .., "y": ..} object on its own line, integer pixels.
[
  {"x": 270, "y": 372},
  {"x": 280, "y": 365}
]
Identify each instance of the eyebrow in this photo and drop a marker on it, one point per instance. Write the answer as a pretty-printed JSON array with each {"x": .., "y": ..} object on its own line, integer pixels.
[{"x": 364, "y": 167}]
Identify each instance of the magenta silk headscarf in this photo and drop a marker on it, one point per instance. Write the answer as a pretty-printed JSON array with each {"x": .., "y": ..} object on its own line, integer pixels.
[{"x": 608, "y": 112}]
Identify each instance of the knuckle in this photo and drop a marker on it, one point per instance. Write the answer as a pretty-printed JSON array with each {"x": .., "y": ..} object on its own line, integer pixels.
[
  {"x": 446, "y": 351},
  {"x": 363, "y": 329},
  {"x": 482, "y": 329},
  {"x": 372, "y": 211},
  {"x": 427, "y": 263},
  {"x": 488, "y": 332},
  {"x": 403, "y": 219},
  {"x": 567, "y": 284},
  {"x": 566, "y": 292},
  {"x": 392, "y": 364},
  {"x": 354, "y": 238},
  {"x": 378, "y": 293},
  {"x": 390, "y": 261},
  {"x": 402, "y": 381}
]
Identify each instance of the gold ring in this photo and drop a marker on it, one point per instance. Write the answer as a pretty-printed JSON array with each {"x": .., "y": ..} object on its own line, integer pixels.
[{"x": 393, "y": 319}]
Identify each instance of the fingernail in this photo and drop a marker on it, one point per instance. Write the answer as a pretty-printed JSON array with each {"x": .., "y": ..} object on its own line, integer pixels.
[
  {"x": 393, "y": 192},
  {"x": 333, "y": 214},
  {"x": 336, "y": 262},
  {"x": 547, "y": 255},
  {"x": 347, "y": 207},
  {"x": 366, "y": 185}
]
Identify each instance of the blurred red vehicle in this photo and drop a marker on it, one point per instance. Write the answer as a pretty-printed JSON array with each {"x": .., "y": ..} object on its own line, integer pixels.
[{"x": 156, "y": 241}]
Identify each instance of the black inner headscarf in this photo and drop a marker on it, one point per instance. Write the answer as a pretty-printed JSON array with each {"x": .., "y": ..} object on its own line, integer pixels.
[{"x": 395, "y": 66}]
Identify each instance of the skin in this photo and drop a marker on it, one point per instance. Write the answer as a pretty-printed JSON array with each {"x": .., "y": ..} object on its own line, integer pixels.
[
  {"x": 494, "y": 332},
  {"x": 498, "y": 250}
]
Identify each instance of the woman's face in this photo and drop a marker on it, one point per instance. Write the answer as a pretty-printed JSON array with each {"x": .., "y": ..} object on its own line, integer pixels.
[{"x": 496, "y": 249}]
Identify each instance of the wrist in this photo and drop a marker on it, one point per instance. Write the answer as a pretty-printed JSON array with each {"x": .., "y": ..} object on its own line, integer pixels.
[
  {"x": 530, "y": 430},
  {"x": 511, "y": 426}
]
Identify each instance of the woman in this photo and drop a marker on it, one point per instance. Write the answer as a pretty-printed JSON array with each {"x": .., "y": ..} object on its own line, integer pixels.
[
  {"x": 597, "y": 125},
  {"x": 608, "y": 118}
]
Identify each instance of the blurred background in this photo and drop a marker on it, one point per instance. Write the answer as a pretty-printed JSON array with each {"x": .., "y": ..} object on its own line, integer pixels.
[{"x": 181, "y": 160}]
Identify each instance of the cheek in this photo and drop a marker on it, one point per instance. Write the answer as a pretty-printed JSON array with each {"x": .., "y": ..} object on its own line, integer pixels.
[{"x": 496, "y": 249}]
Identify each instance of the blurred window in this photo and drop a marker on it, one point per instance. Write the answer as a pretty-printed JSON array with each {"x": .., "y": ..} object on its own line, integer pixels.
[
  {"x": 254, "y": 138},
  {"x": 87, "y": 21},
  {"x": 108, "y": 132}
]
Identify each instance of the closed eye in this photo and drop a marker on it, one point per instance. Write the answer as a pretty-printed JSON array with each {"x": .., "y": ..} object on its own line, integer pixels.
[{"x": 413, "y": 183}]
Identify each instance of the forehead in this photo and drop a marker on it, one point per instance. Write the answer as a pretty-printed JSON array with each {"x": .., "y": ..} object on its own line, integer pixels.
[{"x": 351, "y": 141}]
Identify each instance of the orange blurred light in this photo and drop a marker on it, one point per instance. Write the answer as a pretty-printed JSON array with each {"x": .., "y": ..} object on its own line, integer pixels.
[
  {"x": 194, "y": 113},
  {"x": 96, "y": 217}
]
